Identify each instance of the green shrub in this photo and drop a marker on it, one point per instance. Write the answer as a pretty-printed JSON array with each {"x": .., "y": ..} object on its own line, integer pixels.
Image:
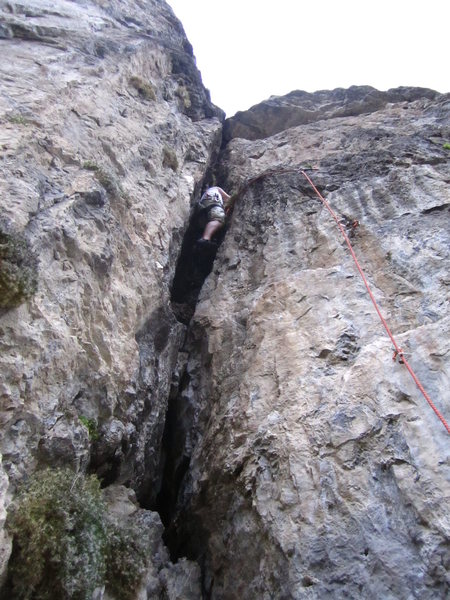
[
  {"x": 183, "y": 94},
  {"x": 91, "y": 426},
  {"x": 90, "y": 165},
  {"x": 65, "y": 544},
  {"x": 127, "y": 560},
  {"x": 446, "y": 146},
  {"x": 145, "y": 89},
  {"x": 107, "y": 181},
  {"x": 17, "y": 119},
  {"x": 170, "y": 159},
  {"x": 18, "y": 270},
  {"x": 58, "y": 527}
]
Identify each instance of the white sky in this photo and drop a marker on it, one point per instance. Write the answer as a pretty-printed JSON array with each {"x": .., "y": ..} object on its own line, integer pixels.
[{"x": 248, "y": 50}]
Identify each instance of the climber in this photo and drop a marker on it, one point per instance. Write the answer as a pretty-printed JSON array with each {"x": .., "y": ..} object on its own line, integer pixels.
[{"x": 214, "y": 203}]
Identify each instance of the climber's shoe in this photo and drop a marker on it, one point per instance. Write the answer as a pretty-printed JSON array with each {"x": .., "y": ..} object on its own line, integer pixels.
[{"x": 202, "y": 243}]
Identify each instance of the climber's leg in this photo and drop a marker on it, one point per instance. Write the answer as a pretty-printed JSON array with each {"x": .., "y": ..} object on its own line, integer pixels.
[
  {"x": 216, "y": 220},
  {"x": 211, "y": 228}
]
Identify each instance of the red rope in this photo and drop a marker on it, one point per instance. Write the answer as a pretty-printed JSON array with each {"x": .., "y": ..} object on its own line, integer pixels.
[{"x": 398, "y": 351}]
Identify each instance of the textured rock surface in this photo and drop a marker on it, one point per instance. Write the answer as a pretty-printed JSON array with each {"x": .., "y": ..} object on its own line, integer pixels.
[
  {"x": 5, "y": 541},
  {"x": 163, "y": 579},
  {"x": 319, "y": 470},
  {"x": 106, "y": 132},
  {"x": 299, "y": 108},
  {"x": 309, "y": 465}
]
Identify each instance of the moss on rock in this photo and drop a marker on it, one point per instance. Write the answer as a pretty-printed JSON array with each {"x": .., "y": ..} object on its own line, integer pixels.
[
  {"x": 65, "y": 544},
  {"x": 144, "y": 88},
  {"x": 18, "y": 270},
  {"x": 170, "y": 159},
  {"x": 59, "y": 535}
]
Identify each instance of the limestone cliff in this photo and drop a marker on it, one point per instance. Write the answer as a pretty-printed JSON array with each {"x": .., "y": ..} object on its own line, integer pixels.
[
  {"x": 107, "y": 133},
  {"x": 106, "y": 136},
  {"x": 319, "y": 470},
  {"x": 287, "y": 454}
]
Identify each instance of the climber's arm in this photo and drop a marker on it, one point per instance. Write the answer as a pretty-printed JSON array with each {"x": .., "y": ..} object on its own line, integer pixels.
[
  {"x": 230, "y": 202},
  {"x": 225, "y": 196}
]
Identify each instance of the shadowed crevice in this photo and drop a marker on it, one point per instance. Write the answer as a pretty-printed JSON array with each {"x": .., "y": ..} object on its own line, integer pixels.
[{"x": 193, "y": 267}]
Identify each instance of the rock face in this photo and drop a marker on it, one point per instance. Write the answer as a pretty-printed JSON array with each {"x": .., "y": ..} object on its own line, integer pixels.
[
  {"x": 163, "y": 579},
  {"x": 106, "y": 136},
  {"x": 107, "y": 133},
  {"x": 319, "y": 470},
  {"x": 5, "y": 541},
  {"x": 299, "y": 108},
  {"x": 284, "y": 449}
]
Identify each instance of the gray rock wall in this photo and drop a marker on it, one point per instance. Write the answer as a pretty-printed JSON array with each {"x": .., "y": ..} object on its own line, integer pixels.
[
  {"x": 319, "y": 469},
  {"x": 299, "y": 460},
  {"x": 106, "y": 134},
  {"x": 5, "y": 540}
]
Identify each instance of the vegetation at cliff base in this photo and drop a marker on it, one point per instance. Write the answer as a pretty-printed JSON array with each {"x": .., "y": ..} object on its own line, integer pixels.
[
  {"x": 128, "y": 553},
  {"x": 65, "y": 545}
]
